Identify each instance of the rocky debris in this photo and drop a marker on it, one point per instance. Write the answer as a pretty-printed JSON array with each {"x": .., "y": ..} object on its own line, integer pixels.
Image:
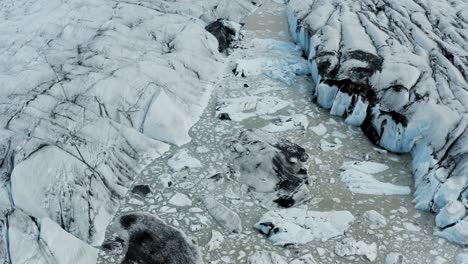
[
  {"x": 149, "y": 240},
  {"x": 349, "y": 247},
  {"x": 225, "y": 32},
  {"x": 268, "y": 164},
  {"x": 374, "y": 219},
  {"x": 395, "y": 258},
  {"x": 392, "y": 69},
  {"x": 264, "y": 257},
  {"x": 182, "y": 160},
  {"x": 299, "y": 226},
  {"x": 224, "y": 116},
  {"x": 226, "y": 217},
  {"x": 141, "y": 189}
]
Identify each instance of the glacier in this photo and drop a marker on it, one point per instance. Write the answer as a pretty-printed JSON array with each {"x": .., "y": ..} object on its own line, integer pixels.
[
  {"x": 399, "y": 70},
  {"x": 91, "y": 92}
]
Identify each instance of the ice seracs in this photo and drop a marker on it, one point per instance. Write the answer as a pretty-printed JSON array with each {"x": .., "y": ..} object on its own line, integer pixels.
[
  {"x": 399, "y": 71},
  {"x": 450, "y": 214}
]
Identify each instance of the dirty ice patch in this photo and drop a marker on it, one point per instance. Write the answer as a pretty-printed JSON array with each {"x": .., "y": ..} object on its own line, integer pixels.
[
  {"x": 285, "y": 123},
  {"x": 300, "y": 226},
  {"x": 182, "y": 159},
  {"x": 358, "y": 177},
  {"x": 281, "y": 69},
  {"x": 349, "y": 247},
  {"x": 242, "y": 108},
  {"x": 327, "y": 146}
]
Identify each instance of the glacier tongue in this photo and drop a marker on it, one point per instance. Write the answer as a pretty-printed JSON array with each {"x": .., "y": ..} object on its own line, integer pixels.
[
  {"x": 401, "y": 75},
  {"x": 91, "y": 92}
]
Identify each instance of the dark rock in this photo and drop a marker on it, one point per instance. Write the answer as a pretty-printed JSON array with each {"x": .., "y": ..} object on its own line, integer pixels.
[
  {"x": 216, "y": 177},
  {"x": 150, "y": 241},
  {"x": 224, "y": 116},
  {"x": 267, "y": 163},
  {"x": 285, "y": 201},
  {"x": 142, "y": 190},
  {"x": 222, "y": 33}
]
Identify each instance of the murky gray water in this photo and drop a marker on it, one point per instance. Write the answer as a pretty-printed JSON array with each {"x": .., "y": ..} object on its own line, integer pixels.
[{"x": 408, "y": 231}]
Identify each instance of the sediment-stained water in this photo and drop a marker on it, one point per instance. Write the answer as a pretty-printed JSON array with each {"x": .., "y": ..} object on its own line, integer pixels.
[{"x": 274, "y": 92}]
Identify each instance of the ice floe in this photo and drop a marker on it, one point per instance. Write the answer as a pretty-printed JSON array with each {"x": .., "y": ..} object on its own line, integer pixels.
[
  {"x": 299, "y": 226},
  {"x": 358, "y": 177}
]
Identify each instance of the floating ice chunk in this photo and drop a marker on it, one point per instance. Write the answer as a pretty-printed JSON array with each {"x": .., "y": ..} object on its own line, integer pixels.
[
  {"x": 365, "y": 166},
  {"x": 180, "y": 200},
  {"x": 319, "y": 129},
  {"x": 357, "y": 177},
  {"x": 264, "y": 257},
  {"x": 462, "y": 258},
  {"x": 299, "y": 226},
  {"x": 166, "y": 180},
  {"x": 223, "y": 215},
  {"x": 284, "y": 69},
  {"x": 451, "y": 213},
  {"x": 411, "y": 227},
  {"x": 349, "y": 246},
  {"x": 284, "y": 123},
  {"x": 216, "y": 240},
  {"x": 306, "y": 259},
  {"x": 395, "y": 258},
  {"x": 182, "y": 159},
  {"x": 375, "y": 220},
  {"x": 327, "y": 146},
  {"x": 242, "y": 108}
]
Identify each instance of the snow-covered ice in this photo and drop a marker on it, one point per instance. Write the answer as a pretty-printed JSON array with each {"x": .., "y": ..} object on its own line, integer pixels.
[
  {"x": 183, "y": 159},
  {"x": 359, "y": 178},
  {"x": 299, "y": 226}
]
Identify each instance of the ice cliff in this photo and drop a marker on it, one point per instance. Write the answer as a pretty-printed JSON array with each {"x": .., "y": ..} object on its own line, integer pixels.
[{"x": 399, "y": 70}]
